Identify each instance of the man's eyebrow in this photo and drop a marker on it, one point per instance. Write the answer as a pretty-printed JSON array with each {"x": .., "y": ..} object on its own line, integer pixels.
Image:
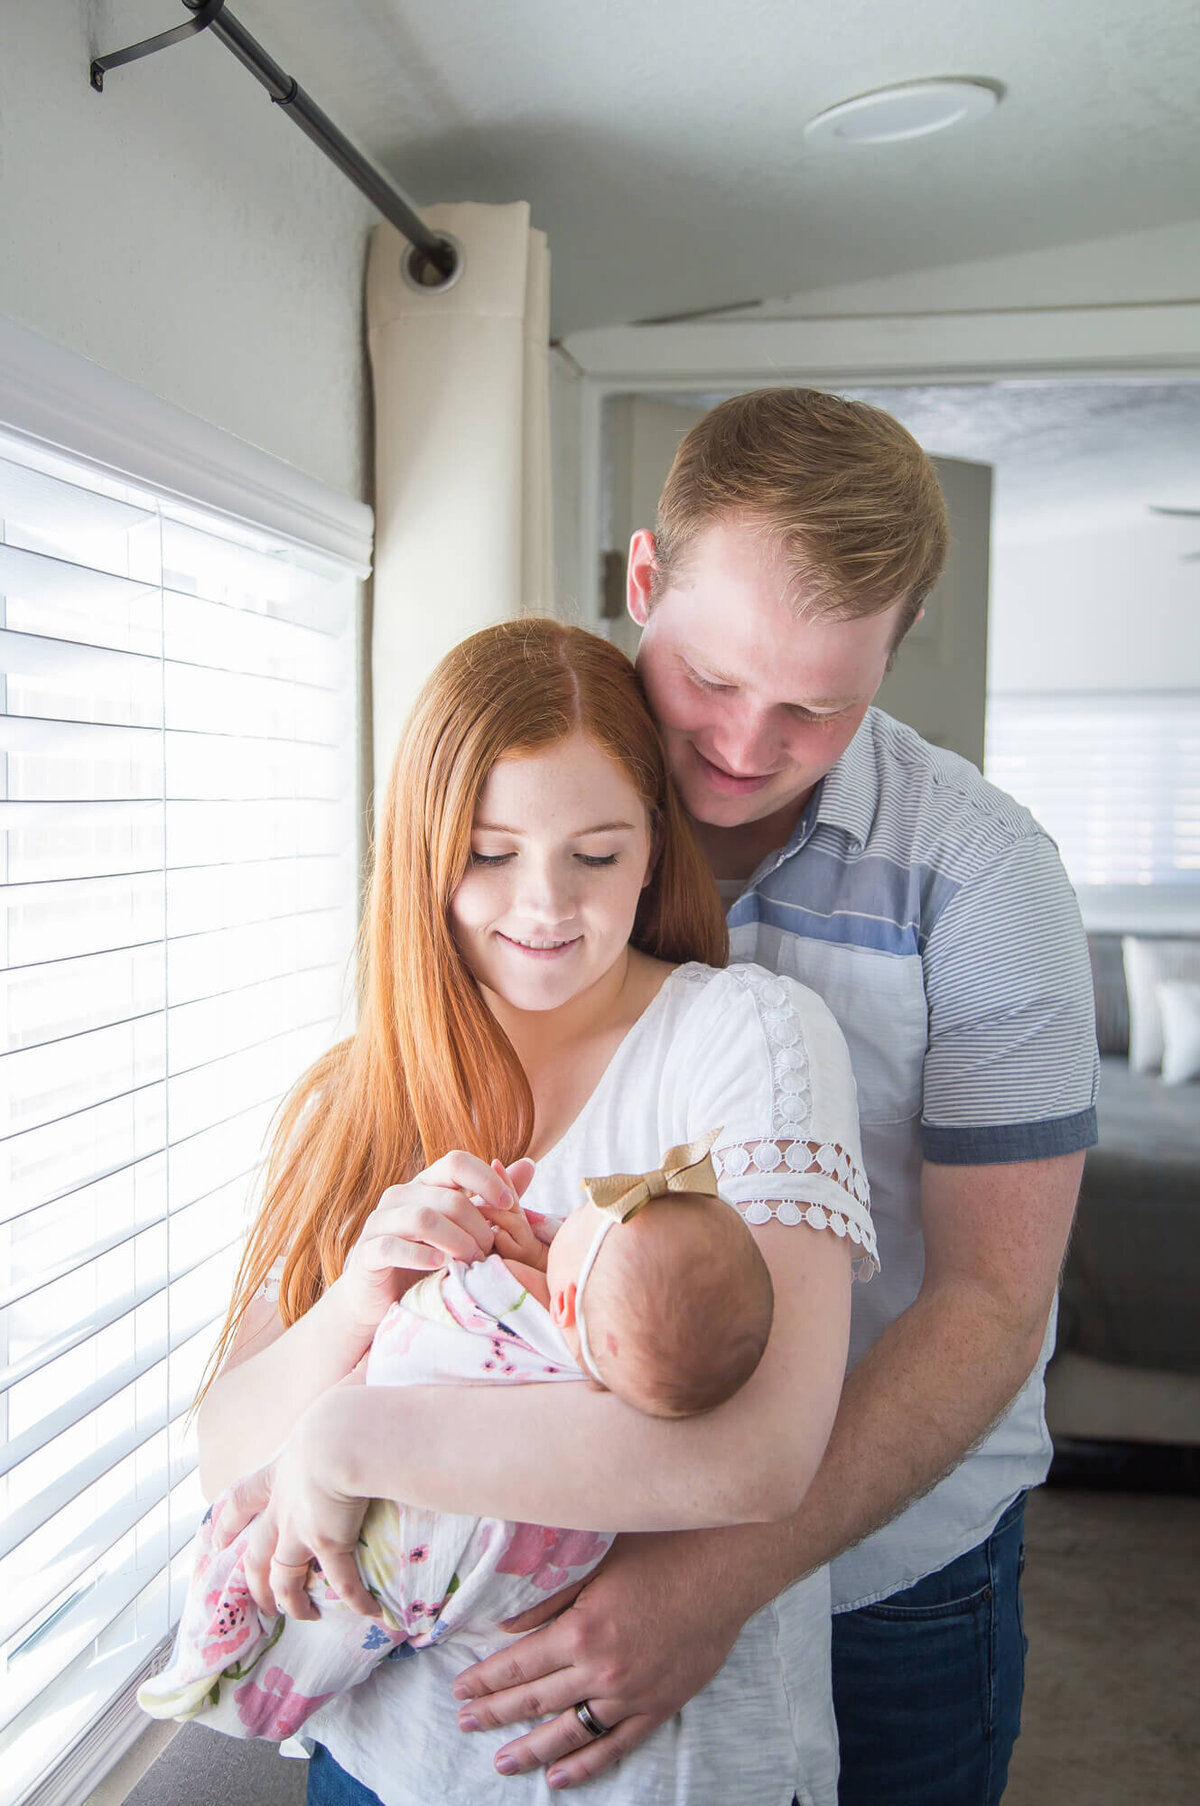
[
  {"x": 834, "y": 704},
  {"x": 603, "y": 827}
]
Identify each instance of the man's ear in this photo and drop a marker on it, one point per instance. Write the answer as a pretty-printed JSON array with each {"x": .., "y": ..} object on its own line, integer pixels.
[
  {"x": 640, "y": 580},
  {"x": 562, "y": 1305}
]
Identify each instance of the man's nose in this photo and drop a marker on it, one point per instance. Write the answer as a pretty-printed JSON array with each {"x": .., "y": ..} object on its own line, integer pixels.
[{"x": 746, "y": 743}]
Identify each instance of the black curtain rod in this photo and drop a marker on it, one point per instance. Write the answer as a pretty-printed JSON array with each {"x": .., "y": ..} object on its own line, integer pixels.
[{"x": 434, "y": 261}]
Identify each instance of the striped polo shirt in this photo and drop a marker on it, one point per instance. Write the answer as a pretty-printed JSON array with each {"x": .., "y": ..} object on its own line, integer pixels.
[{"x": 933, "y": 915}]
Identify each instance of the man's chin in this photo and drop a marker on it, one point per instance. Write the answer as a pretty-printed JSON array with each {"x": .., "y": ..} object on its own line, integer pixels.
[{"x": 730, "y": 812}]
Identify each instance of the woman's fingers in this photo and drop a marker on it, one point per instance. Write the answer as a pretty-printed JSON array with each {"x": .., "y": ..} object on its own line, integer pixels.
[
  {"x": 518, "y": 1174},
  {"x": 341, "y": 1571},
  {"x": 427, "y": 1231},
  {"x": 239, "y": 1504},
  {"x": 256, "y": 1563},
  {"x": 289, "y": 1583},
  {"x": 469, "y": 1174}
]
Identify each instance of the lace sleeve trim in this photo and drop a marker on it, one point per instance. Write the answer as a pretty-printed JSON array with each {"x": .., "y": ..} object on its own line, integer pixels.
[{"x": 844, "y": 1206}]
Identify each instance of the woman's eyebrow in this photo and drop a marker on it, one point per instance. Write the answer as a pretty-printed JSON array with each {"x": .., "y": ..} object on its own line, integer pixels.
[{"x": 604, "y": 827}]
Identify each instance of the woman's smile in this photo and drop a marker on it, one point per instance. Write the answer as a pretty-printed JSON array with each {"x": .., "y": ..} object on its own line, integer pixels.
[{"x": 539, "y": 949}]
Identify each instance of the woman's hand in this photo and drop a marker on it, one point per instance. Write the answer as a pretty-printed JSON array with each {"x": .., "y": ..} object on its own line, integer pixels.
[
  {"x": 418, "y": 1227},
  {"x": 297, "y": 1512}
]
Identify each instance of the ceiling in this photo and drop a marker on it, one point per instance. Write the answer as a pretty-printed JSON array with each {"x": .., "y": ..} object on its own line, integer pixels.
[
  {"x": 1064, "y": 454},
  {"x": 660, "y": 145},
  {"x": 1086, "y": 451}
]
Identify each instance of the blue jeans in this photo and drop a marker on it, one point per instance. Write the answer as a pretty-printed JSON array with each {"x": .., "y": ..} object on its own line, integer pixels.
[
  {"x": 329, "y": 1785},
  {"x": 927, "y": 1684}
]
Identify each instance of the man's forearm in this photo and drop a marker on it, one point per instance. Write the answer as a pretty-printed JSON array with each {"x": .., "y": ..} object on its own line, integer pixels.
[{"x": 935, "y": 1381}]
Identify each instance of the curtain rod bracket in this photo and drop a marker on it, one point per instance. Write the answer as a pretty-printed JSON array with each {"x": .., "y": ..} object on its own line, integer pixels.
[
  {"x": 433, "y": 255},
  {"x": 202, "y": 17}
]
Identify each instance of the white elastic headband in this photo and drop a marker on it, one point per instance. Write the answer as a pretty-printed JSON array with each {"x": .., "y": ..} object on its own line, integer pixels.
[{"x": 589, "y": 1261}]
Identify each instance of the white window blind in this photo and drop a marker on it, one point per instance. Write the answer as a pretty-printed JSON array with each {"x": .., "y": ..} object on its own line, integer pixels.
[
  {"x": 1113, "y": 777},
  {"x": 177, "y": 896}
]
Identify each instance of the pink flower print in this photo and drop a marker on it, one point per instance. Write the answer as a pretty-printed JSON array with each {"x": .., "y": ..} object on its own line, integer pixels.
[
  {"x": 275, "y": 1709},
  {"x": 420, "y": 1553},
  {"x": 545, "y": 1555},
  {"x": 397, "y": 1333},
  {"x": 234, "y": 1621}
]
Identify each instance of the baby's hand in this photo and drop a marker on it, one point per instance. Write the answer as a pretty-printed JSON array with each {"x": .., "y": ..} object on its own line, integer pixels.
[{"x": 515, "y": 1239}]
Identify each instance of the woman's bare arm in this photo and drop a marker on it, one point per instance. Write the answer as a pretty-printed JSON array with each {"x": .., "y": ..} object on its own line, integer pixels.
[
  {"x": 269, "y": 1380},
  {"x": 600, "y": 1464},
  {"x": 274, "y": 1374}
]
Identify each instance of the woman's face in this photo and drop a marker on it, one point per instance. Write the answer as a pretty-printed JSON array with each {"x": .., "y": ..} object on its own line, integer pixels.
[{"x": 560, "y": 852}]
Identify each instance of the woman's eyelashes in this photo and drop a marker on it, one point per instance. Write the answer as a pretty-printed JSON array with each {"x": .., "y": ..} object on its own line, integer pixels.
[{"x": 589, "y": 859}]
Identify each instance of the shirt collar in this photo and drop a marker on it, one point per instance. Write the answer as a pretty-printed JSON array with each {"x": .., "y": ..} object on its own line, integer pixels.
[
  {"x": 849, "y": 794},
  {"x": 846, "y": 798}
]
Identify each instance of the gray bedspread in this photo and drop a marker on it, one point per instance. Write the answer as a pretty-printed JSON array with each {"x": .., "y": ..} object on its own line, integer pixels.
[{"x": 1131, "y": 1287}]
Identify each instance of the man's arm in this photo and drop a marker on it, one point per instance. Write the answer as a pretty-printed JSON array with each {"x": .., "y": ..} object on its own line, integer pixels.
[{"x": 935, "y": 1381}]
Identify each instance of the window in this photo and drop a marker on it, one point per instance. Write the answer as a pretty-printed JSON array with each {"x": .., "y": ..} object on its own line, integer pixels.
[
  {"x": 1113, "y": 778},
  {"x": 177, "y": 898}
]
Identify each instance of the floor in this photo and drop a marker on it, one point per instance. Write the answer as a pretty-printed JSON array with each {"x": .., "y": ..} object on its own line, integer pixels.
[
  {"x": 1112, "y": 1582},
  {"x": 1112, "y": 1587}
]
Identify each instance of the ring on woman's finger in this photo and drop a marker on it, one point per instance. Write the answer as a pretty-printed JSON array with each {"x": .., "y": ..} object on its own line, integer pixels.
[{"x": 589, "y": 1721}]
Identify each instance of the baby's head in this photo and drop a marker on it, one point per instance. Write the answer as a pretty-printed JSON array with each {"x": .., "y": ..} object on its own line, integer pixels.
[{"x": 676, "y": 1301}]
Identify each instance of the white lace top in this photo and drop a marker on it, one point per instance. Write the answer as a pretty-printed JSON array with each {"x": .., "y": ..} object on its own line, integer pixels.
[{"x": 763, "y": 1057}]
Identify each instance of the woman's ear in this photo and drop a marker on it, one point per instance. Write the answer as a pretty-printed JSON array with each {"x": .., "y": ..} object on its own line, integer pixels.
[{"x": 562, "y": 1305}]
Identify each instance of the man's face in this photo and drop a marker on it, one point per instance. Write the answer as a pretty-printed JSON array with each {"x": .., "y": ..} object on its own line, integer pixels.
[{"x": 754, "y": 705}]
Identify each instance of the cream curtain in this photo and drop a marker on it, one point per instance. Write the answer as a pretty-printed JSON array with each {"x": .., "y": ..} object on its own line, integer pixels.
[{"x": 462, "y": 454}]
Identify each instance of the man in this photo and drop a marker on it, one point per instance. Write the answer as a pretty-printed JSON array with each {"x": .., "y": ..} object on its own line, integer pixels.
[{"x": 797, "y": 538}]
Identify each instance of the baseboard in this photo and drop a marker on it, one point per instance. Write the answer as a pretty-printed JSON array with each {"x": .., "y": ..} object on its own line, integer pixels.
[{"x": 1144, "y": 1467}]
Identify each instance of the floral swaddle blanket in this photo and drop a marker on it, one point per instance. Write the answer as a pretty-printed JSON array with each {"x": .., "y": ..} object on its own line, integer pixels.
[{"x": 432, "y": 1573}]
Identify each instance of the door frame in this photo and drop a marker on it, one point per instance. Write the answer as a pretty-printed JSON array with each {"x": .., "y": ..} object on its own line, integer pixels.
[{"x": 1062, "y": 344}]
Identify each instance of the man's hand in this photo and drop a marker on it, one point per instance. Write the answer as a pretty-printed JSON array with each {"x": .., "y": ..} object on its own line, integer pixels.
[{"x": 636, "y": 1642}]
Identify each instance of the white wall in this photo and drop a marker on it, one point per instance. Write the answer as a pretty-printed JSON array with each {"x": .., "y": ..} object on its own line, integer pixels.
[
  {"x": 181, "y": 232},
  {"x": 1102, "y": 605}
]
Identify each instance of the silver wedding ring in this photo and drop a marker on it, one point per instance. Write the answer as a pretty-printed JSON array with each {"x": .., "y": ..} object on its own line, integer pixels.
[{"x": 588, "y": 1720}]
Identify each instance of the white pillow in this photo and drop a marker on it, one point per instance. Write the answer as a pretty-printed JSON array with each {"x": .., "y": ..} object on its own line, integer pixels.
[
  {"x": 1179, "y": 1005},
  {"x": 1149, "y": 964}
]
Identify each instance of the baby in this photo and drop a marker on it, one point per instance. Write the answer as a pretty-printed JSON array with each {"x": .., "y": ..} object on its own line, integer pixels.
[{"x": 672, "y": 1314}]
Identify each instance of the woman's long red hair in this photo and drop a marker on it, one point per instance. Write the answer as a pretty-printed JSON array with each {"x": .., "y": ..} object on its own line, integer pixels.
[{"x": 428, "y": 1067}]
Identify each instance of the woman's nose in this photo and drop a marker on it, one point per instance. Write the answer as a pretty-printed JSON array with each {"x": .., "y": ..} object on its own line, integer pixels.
[{"x": 546, "y": 892}]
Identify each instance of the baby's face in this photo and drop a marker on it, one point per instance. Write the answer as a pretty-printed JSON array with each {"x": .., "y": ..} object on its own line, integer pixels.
[
  {"x": 567, "y": 1253},
  {"x": 570, "y": 1245}
]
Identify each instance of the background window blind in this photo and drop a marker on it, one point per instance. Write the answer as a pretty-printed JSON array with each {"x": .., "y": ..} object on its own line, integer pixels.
[
  {"x": 177, "y": 896},
  {"x": 1114, "y": 777}
]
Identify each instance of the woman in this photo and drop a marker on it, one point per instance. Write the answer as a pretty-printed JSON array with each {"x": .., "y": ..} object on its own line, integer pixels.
[{"x": 540, "y": 981}]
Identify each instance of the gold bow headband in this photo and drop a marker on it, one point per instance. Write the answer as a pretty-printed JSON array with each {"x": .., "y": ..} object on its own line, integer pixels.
[{"x": 688, "y": 1167}]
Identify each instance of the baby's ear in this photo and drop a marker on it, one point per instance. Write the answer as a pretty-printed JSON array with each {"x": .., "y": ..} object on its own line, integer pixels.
[{"x": 562, "y": 1305}]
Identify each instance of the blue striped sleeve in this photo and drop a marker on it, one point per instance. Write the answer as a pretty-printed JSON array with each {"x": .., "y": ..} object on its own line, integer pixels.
[{"x": 1011, "y": 1069}]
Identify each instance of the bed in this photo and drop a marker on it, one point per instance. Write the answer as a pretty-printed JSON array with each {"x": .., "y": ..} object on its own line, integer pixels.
[{"x": 1127, "y": 1366}]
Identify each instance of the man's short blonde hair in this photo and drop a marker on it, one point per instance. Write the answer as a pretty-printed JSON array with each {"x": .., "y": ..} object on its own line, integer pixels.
[{"x": 848, "y": 495}]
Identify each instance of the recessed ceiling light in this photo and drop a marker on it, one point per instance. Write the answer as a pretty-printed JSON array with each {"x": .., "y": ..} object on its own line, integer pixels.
[{"x": 908, "y": 110}]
